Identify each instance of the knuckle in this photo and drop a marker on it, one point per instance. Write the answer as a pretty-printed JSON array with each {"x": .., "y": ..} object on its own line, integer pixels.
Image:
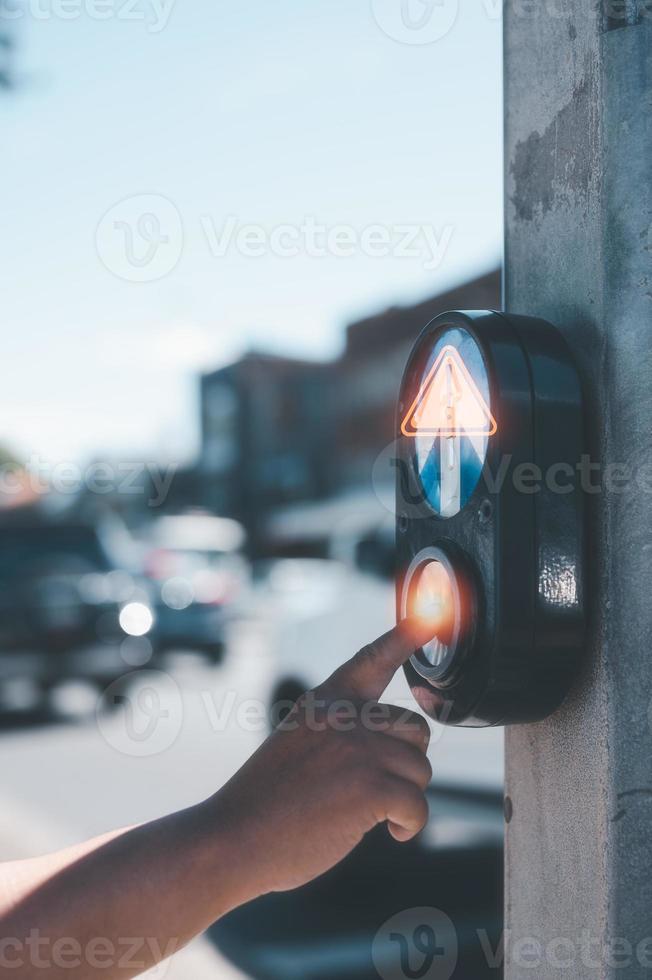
[
  {"x": 423, "y": 727},
  {"x": 374, "y": 756},
  {"x": 420, "y": 772},
  {"x": 369, "y": 780},
  {"x": 394, "y": 789},
  {"x": 376, "y": 716},
  {"x": 403, "y": 720},
  {"x": 378, "y": 786},
  {"x": 350, "y": 750},
  {"x": 411, "y": 721},
  {"x": 422, "y": 812},
  {"x": 419, "y": 800},
  {"x": 387, "y": 752},
  {"x": 370, "y": 651},
  {"x": 427, "y": 773},
  {"x": 330, "y": 685}
]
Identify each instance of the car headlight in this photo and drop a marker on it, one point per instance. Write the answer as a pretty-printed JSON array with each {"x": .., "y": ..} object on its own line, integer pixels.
[{"x": 136, "y": 618}]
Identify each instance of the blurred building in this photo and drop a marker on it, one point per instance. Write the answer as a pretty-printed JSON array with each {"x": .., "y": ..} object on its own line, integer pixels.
[
  {"x": 278, "y": 432},
  {"x": 266, "y": 432}
]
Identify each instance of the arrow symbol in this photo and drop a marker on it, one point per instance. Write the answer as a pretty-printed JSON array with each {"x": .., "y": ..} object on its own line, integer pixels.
[
  {"x": 451, "y": 464},
  {"x": 449, "y": 406},
  {"x": 448, "y": 402}
]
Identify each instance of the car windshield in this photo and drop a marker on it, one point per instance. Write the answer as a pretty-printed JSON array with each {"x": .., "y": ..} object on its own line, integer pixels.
[{"x": 28, "y": 548}]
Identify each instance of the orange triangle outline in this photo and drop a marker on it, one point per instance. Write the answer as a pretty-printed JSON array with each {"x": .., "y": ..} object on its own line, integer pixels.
[{"x": 452, "y": 352}]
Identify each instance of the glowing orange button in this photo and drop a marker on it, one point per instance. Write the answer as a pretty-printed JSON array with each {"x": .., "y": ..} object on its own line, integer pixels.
[{"x": 433, "y": 599}]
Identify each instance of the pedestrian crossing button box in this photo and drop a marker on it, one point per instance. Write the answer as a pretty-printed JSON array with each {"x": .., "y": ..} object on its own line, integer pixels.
[{"x": 490, "y": 523}]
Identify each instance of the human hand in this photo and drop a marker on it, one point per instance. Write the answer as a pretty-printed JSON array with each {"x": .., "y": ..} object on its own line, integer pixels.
[{"x": 339, "y": 764}]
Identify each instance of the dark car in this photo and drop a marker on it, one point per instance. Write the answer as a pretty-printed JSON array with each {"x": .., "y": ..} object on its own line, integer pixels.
[{"x": 68, "y": 610}]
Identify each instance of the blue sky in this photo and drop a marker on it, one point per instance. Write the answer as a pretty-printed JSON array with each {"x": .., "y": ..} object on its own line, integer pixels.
[{"x": 258, "y": 113}]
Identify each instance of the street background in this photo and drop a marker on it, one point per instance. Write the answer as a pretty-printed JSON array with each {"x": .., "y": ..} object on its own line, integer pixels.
[{"x": 224, "y": 226}]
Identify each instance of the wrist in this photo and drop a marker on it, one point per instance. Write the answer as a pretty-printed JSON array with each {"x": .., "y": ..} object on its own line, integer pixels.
[{"x": 229, "y": 855}]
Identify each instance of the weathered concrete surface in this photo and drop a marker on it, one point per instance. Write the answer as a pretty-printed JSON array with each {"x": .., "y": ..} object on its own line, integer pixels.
[{"x": 578, "y": 90}]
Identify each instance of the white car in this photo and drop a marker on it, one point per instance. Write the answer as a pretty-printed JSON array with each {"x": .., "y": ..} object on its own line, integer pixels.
[{"x": 196, "y": 566}]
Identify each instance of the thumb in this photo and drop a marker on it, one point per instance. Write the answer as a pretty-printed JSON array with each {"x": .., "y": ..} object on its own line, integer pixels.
[{"x": 368, "y": 673}]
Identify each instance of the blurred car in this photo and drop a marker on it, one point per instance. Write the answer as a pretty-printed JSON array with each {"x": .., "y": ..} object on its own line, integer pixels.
[
  {"x": 68, "y": 609},
  {"x": 313, "y": 613},
  {"x": 199, "y": 574}
]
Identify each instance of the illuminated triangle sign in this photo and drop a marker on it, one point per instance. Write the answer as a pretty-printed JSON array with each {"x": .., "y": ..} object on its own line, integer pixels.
[{"x": 449, "y": 402}]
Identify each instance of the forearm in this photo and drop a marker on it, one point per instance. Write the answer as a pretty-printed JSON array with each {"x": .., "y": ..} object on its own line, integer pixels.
[
  {"x": 19, "y": 878},
  {"x": 121, "y": 903}
]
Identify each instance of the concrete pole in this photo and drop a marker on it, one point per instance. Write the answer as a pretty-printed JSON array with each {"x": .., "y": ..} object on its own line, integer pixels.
[{"x": 578, "y": 132}]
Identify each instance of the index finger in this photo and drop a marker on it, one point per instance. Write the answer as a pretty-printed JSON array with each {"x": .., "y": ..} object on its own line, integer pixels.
[{"x": 369, "y": 672}]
